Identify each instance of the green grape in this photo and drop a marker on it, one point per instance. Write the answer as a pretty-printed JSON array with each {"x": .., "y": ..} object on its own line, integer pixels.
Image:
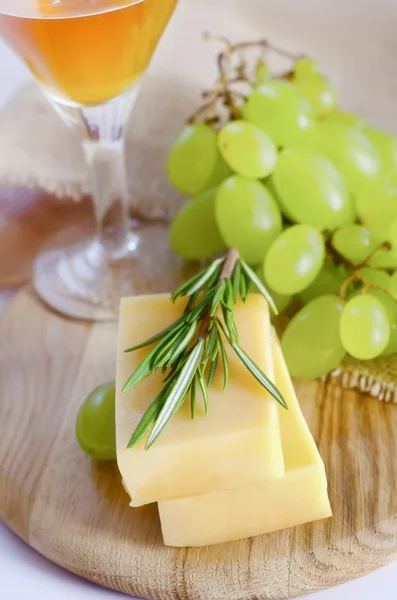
[
  {"x": 306, "y": 67},
  {"x": 311, "y": 342},
  {"x": 247, "y": 216},
  {"x": 348, "y": 148},
  {"x": 392, "y": 234},
  {"x": 354, "y": 242},
  {"x": 95, "y": 423},
  {"x": 319, "y": 92},
  {"x": 294, "y": 259},
  {"x": 247, "y": 149},
  {"x": 385, "y": 259},
  {"x": 280, "y": 110},
  {"x": 328, "y": 281},
  {"x": 364, "y": 327},
  {"x": 390, "y": 306},
  {"x": 392, "y": 285},
  {"x": 376, "y": 207},
  {"x": 194, "y": 233},
  {"x": 346, "y": 118},
  {"x": 386, "y": 145},
  {"x": 311, "y": 190},
  {"x": 269, "y": 182},
  {"x": 280, "y": 300},
  {"x": 376, "y": 277},
  {"x": 194, "y": 162}
]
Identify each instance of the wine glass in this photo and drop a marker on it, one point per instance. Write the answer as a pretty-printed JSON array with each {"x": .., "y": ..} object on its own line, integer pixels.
[{"x": 89, "y": 56}]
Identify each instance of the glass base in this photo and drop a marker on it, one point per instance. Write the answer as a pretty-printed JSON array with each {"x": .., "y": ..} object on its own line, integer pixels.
[{"x": 77, "y": 279}]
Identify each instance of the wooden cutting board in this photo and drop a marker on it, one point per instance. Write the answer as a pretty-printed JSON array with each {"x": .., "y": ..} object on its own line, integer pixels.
[{"x": 76, "y": 513}]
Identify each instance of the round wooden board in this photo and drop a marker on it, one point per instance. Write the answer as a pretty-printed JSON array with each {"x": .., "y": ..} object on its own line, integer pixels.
[{"x": 76, "y": 513}]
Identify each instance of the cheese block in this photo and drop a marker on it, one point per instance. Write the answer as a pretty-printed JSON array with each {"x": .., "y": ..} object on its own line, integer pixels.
[
  {"x": 299, "y": 497},
  {"x": 237, "y": 444}
]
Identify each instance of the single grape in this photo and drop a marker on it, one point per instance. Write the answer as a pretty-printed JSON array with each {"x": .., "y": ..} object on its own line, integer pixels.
[
  {"x": 311, "y": 190},
  {"x": 194, "y": 162},
  {"x": 294, "y": 259},
  {"x": 391, "y": 347},
  {"x": 247, "y": 216},
  {"x": 346, "y": 118},
  {"x": 392, "y": 234},
  {"x": 247, "y": 149},
  {"x": 354, "y": 242},
  {"x": 95, "y": 423},
  {"x": 348, "y": 148},
  {"x": 384, "y": 259},
  {"x": 386, "y": 145},
  {"x": 319, "y": 92},
  {"x": 392, "y": 284},
  {"x": 311, "y": 342},
  {"x": 280, "y": 110},
  {"x": 280, "y": 300},
  {"x": 269, "y": 182},
  {"x": 376, "y": 207},
  {"x": 376, "y": 277},
  {"x": 194, "y": 233},
  {"x": 390, "y": 306},
  {"x": 364, "y": 327},
  {"x": 328, "y": 281},
  {"x": 306, "y": 67}
]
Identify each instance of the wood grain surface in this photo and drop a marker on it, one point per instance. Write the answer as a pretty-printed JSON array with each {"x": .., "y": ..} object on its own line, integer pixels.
[{"x": 76, "y": 513}]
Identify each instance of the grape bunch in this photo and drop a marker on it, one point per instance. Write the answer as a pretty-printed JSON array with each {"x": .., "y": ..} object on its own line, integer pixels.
[{"x": 308, "y": 194}]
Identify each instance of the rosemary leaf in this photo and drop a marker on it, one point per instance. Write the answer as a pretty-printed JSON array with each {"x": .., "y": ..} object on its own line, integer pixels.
[
  {"x": 259, "y": 375},
  {"x": 192, "y": 301},
  {"x": 178, "y": 364},
  {"x": 142, "y": 370},
  {"x": 229, "y": 322},
  {"x": 200, "y": 307},
  {"x": 214, "y": 279},
  {"x": 213, "y": 366},
  {"x": 221, "y": 325},
  {"x": 182, "y": 288},
  {"x": 183, "y": 343},
  {"x": 163, "y": 348},
  {"x": 206, "y": 275},
  {"x": 217, "y": 297},
  {"x": 177, "y": 392},
  {"x": 243, "y": 287},
  {"x": 212, "y": 339},
  {"x": 168, "y": 330},
  {"x": 203, "y": 388},
  {"x": 227, "y": 298},
  {"x": 257, "y": 282},
  {"x": 236, "y": 282},
  {"x": 224, "y": 361},
  {"x": 149, "y": 417},
  {"x": 229, "y": 293},
  {"x": 193, "y": 398}
]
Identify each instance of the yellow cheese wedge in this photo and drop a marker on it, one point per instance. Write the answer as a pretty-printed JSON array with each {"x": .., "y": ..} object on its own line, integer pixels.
[
  {"x": 239, "y": 441},
  {"x": 299, "y": 497}
]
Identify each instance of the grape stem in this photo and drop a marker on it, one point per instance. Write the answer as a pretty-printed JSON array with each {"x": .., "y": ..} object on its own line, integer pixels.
[
  {"x": 230, "y": 75},
  {"x": 356, "y": 275}
]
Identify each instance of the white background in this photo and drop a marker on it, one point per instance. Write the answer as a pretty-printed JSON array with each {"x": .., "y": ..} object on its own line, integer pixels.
[{"x": 25, "y": 574}]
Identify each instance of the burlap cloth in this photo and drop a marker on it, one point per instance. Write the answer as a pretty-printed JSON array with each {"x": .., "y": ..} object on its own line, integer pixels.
[{"x": 354, "y": 40}]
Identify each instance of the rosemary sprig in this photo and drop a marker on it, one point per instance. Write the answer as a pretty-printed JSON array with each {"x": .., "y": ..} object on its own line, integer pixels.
[{"x": 189, "y": 350}]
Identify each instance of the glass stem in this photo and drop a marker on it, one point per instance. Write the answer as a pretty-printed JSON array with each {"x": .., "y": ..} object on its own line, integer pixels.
[{"x": 106, "y": 163}]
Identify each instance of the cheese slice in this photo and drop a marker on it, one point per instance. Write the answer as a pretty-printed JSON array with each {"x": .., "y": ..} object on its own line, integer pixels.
[
  {"x": 299, "y": 497},
  {"x": 237, "y": 444}
]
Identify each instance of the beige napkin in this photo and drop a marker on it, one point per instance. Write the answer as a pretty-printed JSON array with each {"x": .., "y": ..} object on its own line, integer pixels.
[{"x": 354, "y": 40}]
